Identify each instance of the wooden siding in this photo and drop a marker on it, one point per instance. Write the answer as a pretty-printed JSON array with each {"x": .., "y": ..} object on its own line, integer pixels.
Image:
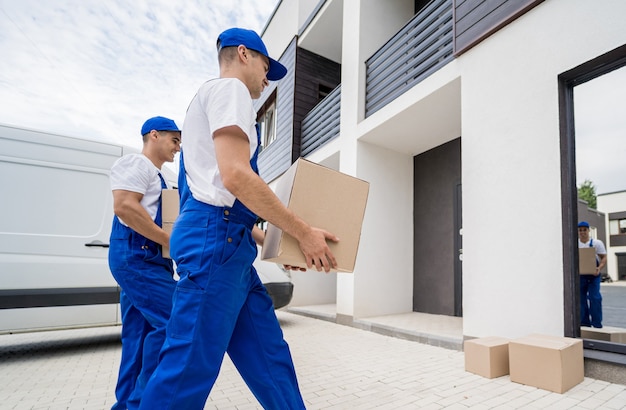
[
  {"x": 475, "y": 20},
  {"x": 312, "y": 71},
  {"x": 296, "y": 95},
  {"x": 276, "y": 157}
]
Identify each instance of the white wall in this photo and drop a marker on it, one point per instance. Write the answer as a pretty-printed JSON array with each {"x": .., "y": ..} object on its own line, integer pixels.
[
  {"x": 513, "y": 270},
  {"x": 282, "y": 28},
  {"x": 383, "y": 277}
]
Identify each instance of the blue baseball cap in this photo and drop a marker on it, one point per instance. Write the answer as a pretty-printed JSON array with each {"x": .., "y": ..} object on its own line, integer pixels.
[
  {"x": 583, "y": 224},
  {"x": 235, "y": 37},
  {"x": 158, "y": 124}
]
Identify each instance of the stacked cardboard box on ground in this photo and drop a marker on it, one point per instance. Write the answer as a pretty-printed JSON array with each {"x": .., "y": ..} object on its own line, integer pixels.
[
  {"x": 547, "y": 362},
  {"x": 487, "y": 356}
]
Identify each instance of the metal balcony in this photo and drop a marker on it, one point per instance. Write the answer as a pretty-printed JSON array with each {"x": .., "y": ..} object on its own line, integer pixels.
[
  {"x": 420, "y": 48},
  {"x": 321, "y": 124}
]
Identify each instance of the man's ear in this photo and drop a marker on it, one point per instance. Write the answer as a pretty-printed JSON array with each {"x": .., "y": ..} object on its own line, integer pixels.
[{"x": 243, "y": 53}]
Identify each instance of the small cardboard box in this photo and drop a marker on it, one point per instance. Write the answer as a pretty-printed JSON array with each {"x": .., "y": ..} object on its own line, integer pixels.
[
  {"x": 170, "y": 203},
  {"x": 606, "y": 333},
  {"x": 547, "y": 362},
  {"x": 325, "y": 199},
  {"x": 587, "y": 261},
  {"x": 487, "y": 356}
]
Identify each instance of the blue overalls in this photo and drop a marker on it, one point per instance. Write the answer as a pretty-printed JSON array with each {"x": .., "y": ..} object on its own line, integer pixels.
[
  {"x": 147, "y": 286},
  {"x": 220, "y": 305},
  {"x": 590, "y": 298}
]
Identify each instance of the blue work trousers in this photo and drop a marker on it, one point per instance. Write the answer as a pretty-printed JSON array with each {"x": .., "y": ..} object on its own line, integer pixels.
[
  {"x": 147, "y": 283},
  {"x": 590, "y": 301},
  {"x": 134, "y": 331},
  {"x": 220, "y": 306}
]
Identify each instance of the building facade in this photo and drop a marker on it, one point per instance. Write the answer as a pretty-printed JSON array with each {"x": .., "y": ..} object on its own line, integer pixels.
[
  {"x": 613, "y": 204},
  {"x": 457, "y": 113}
]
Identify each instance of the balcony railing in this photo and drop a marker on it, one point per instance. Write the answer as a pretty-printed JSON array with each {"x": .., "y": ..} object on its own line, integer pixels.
[
  {"x": 422, "y": 47},
  {"x": 321, "y": 124}
]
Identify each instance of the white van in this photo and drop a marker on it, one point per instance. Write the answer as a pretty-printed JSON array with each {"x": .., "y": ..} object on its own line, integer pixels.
[
  {"x": 55, "y": 221},
  {"x": 56, "y": 213}
]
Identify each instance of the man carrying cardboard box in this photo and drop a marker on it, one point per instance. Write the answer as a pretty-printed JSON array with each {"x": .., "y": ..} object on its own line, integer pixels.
[
  {"x": 220, "y": 305},
  {"x": 145, "y": 277},
  {"x": 590, "y": 297}
]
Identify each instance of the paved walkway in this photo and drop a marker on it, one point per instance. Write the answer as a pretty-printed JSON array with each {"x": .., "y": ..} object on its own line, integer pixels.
[{"x": 339, "y": 367}]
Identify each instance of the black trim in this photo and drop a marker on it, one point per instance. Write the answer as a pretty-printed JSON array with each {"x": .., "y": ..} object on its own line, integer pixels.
[
  {"x": 30, "y": 298},
  {"x": 569, "y": 210}
]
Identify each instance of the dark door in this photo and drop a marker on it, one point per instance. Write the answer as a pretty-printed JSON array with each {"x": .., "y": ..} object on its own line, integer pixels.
[
  {"x": 437, "y": 224},
  {"x": 621, "y": 265},
  {"x": 458, "y": 256}
]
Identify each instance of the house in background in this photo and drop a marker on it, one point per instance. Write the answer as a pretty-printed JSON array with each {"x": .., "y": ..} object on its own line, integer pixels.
[
  {"x": 614, "y": 206},
  {"x": 460, "y": 115}
]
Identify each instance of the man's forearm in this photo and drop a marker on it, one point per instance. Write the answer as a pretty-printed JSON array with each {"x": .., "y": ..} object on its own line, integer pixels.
[
  {"x": 141, "y": 223},
  {"x": 257, "y": 196}
]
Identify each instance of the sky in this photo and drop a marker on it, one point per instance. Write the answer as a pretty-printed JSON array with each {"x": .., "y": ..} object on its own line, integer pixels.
[
  {"x": 600, "y": 126},
  {"x": 98, "y": 69}
]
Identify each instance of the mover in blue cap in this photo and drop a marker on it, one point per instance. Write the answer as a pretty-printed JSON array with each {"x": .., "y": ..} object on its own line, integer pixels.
[
  {"x": 590, "y": 297},
  {"x": 220, "y": 305},
  {"x": 145, "y": 277}
]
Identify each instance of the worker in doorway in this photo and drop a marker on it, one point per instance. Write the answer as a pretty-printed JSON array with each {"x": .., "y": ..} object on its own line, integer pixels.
[{"x": 590, "y": 297}]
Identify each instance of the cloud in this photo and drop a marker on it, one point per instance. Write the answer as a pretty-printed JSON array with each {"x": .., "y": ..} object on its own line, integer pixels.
[{"x": 98, "y": 69}]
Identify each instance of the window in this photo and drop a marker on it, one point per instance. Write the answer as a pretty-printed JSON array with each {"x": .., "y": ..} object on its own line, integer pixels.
[
  {"x": 266, "y": 118},
  {"x": 617, "y": 227},
  {"x": 323, "y": 91},
  {"x": 268, "y": 126}
]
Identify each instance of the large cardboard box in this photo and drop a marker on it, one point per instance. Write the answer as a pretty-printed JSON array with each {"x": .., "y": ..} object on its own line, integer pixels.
[
  {"x": 606, "y": 333},
  {"x": 547, "y": 362},
  {"x": 587, "y": 261},
  {"x": 487, "y": 356},
  {"x": 325, "y": 199},
  {"x": 170, "y": 204}
]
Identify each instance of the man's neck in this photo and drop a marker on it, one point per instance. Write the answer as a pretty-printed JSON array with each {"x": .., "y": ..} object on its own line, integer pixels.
[{"x": 153, "y": 158}]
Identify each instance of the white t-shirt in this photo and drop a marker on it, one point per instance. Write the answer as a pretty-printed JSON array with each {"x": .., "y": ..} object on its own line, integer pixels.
[
  {"x": 219, "y": 103},
  {"x": 136, "y": 173}
]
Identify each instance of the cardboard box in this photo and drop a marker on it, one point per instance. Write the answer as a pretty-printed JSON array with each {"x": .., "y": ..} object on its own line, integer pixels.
[
  {"x": 487, "y": 356},
  {"x": 325, "y": 199},
  {"x": 547, "y": 362},
  {"x": 606, "y": 333},
  {"x": 170, "y": 203},
  {"x": 587, "y": 261}
]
